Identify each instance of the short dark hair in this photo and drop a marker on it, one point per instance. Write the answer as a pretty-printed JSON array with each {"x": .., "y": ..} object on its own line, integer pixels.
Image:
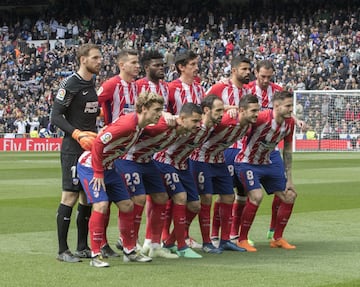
[
  {"x": 126, "y": 52},
  {"x": 282, "y": 95},
  {"x": 247, "y": 99},
  {"x": 266, "y": 64},
  {"x": 183, "y": 58},
  {"x": 188, "y": 109},
  {"x": 150, "y": 55},
  {"x": 236, "y": 61},
  {"x": 208, "y": 101}
]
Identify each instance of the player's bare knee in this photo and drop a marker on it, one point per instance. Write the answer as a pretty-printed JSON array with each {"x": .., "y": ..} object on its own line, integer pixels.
[
  {"x": 256, "y": 196},
  {"x": 125, "y": 205},
  {"x": 101, "y": 207},
  {"x": 194, "y": 206},
  {"x": 69, "y": 198},
  {"x": 227, "y": 198},
  {"x": 179, "y": 198},
  {"x": 206, "y": 199},
  {"x": 139, "y": 199},
  {"x": 82, "y": 198},
  {"x": 159, "y": 198}
]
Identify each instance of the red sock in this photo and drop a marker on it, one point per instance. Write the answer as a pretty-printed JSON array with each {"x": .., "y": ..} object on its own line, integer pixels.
[
  {"x": 157, "y": 216},
  {"x": 216, "y": 220},
  {"x": 167, "y": 222},
  {"x": 127, "y": 231},
  {"x": 179, "y": 215},
  {"x": 106, "y": 224},
  {"x": 284, "y": 213},
  {"x": 225, "y": 220},
  {"x": 96, "y": 229},
  {"x": 237, "y": 210},
  {"x": 148, "y": 209},
  {"x": 204, "y": 221},
  {"x": 274, "y": 211},
  {"x": 189, "y": 218},
  {"x": 247, "y": 219},
  {"x": 138, "y": 210}
]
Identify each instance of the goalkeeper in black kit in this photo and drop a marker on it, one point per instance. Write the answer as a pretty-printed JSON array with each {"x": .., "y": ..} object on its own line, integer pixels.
[{"x": 74, "y": 111}]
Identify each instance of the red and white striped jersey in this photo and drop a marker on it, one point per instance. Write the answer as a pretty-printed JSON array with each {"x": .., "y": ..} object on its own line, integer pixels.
[
  {"x": 177, "y": 154},
  {"x": 144, "y": 85},
  {"x": 264, "y": 96},
  {"x": 117, "y": 97},
  {"x": 263, "y": 138},
  {"x": 154, "y": 138},
  {"x": 229, "y": 93},
  {"x": 111, "y": 143},
  {"x": 181, "y": 93},
  {"x": 222, "y": 137}
]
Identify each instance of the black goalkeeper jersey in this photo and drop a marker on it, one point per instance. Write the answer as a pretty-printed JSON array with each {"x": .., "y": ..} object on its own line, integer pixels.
[{"x": 75, "y": 107}]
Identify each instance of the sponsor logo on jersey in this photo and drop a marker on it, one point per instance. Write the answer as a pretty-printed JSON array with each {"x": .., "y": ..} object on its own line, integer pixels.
[
  {"x": 85, "y": 93},
  {"x": 61, "y": 94},
  {"x": 106, "y": 137}
]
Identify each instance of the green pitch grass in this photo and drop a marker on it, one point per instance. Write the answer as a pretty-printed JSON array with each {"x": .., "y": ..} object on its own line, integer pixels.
[{"x": 324, "y": 226}]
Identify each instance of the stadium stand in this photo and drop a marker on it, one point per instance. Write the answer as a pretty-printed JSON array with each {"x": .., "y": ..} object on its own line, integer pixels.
[{"x": 313, "y": 46}]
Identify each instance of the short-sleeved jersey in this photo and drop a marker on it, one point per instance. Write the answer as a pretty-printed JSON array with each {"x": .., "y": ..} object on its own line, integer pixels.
[
  {"x": 117, "y": 97},
  {"x": 264, "y": 96},
  {"x": 177, "y": 154},
  {"x": 75, "y": 107},
  {"x": 222, "y": 137},
  {"x": 114, "y": 141},
  {"x": 229, "y": 93},
  {"x": 144, "y": 85},
  {"x": 181, "y": 93},
  {"x": 263, "y": 138},
  {"x": 154, "y": 138}
]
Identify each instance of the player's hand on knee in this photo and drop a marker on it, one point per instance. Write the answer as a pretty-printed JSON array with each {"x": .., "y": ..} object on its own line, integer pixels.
[{"x": 84, "y": 138}]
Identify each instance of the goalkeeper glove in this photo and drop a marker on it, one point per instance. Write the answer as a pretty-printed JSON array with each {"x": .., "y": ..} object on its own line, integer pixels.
[{"x": 84, "y": 138}]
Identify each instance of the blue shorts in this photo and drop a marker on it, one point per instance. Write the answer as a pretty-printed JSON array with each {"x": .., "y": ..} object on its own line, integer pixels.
[
  {"x": 230, "y": 154},
  {"x": 212, "y": 178},
  {"x": 269, "y": 176},
  {"x": 140, "y": 178},
  {"x": 115, "y": 187},
  {"x": 277, "y": 161},
  {"x": 177, "y": 181}
]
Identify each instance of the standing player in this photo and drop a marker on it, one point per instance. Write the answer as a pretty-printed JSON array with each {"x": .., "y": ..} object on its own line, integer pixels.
[
  {"x": 264, "y": 90},
  {"x": 183, "y": 90},
  {"x": 255, "y": 168},
  {"x": 102, "y": 183},
  {"x": 153, "y": 63},
  {"x": 117, "y": 97},
  {"x": 118, "y": 94},
  {"x": 211, "y": 172},
  {"x": 75, "y": 110},
  {"x": 231, "y": 92}
]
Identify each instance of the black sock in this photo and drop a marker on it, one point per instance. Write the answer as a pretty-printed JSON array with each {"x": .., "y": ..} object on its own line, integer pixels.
[
  {"x": 82, "y": 222},
  {"x": 63, "y": 218}
]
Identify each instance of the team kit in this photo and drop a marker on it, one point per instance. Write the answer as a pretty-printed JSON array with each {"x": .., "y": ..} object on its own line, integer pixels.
[{"x": 171, "y": 151}]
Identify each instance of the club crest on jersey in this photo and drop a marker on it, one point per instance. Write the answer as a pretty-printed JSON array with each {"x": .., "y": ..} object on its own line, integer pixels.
[
  {"x": 106, "y": 137},
  {"x": 61, "y": 94}
]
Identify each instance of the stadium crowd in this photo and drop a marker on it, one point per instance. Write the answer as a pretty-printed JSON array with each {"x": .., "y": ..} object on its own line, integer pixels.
[{"x": 315, "y": 47}]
